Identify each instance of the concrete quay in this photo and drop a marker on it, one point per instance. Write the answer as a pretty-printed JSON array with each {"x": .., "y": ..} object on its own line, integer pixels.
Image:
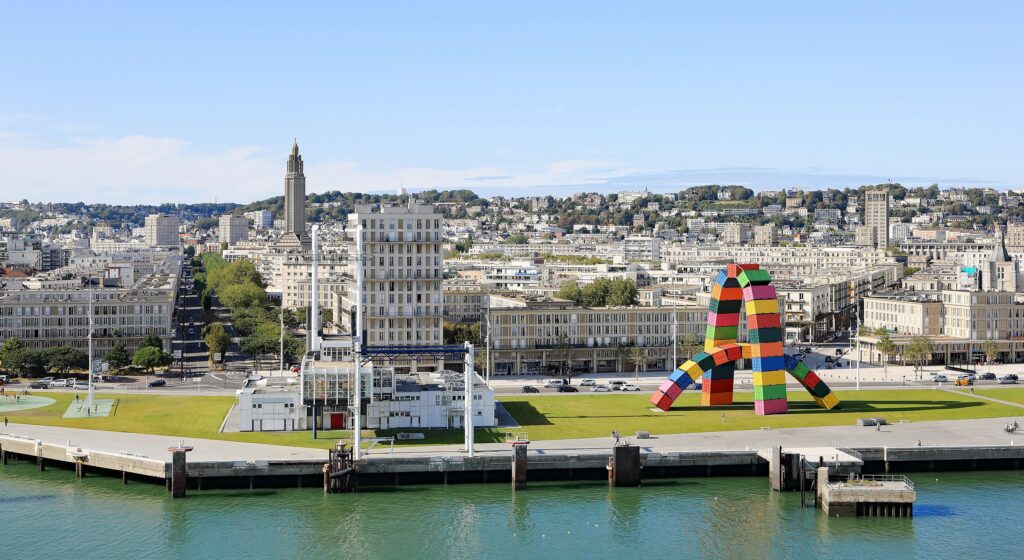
[{"x": 947, "y": 445}]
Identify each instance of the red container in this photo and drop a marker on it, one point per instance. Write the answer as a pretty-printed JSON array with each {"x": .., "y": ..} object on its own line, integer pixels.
[
  {"x": 661, "y": 400},
  {"x": 715, "y": 399},
  {"x": 811, "y": 380},
  {"x": 763, "y": 321},
  {"x": 723, "y": 319},
  {"x": 759, "y": 292},
  {"x": 670, "y": 389},
  {"x": 717, "y": 385}
]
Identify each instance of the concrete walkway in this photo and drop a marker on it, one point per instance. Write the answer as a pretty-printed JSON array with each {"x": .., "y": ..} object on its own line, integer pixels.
[
  {"x": 986, "y": 431},
  {"x": 977, "y": 396},
  {"x": 155, "y": 447}
]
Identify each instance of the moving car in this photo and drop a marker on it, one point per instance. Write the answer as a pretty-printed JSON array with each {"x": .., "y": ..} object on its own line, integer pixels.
[
  {"x": 530, "y": 389},
  {"x": 1008, "y": 380},
  {"x": 600, "y": 389},
  {"x": 629, "y": 387},
  {"x": 81, "y": 386},
  {"x": 963, "y": 381},
  {"x": 568, "y": 389},
  {"x": 988, "y": 376},
  {"x": 59, "y": 383},
  {"x": 549, "y": 383},
  {"x": 588, "y": 382},
  {"x": 157, "y": 383},
  {"x": 616, "y": 385},
  {"x": 940, "y": 378}
]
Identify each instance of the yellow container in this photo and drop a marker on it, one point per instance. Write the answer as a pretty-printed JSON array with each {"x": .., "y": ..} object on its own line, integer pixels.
[
  {"x": 759, "y": 306},
  {"x": 829, "y": 401},
  {"x": 748, "y": 350},
  {"x": 774, "y": 377},
  {"x": 693, "y": 368}
]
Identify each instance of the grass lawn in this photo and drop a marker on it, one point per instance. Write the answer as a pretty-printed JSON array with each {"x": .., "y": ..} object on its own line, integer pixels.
[
  {"x": 1015, "y": 394},
  {"x": 549, "y": 417}
]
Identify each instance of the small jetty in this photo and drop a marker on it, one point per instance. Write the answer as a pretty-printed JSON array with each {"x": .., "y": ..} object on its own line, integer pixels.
[{"x": 867, "y": 495}]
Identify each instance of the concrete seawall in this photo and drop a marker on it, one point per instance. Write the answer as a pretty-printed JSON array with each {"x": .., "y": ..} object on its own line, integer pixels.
[{"x": 491, "y": 467}]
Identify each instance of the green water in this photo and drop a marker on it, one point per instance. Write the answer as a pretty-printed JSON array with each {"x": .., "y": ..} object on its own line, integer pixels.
[{"x": 52, "y": 515}]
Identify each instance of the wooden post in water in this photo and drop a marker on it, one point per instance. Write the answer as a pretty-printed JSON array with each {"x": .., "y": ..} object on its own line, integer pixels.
[
  {"x": 624, "y": 466},
  {"x": 519, "y": 465},
  {"x": 179, "y": 472}
]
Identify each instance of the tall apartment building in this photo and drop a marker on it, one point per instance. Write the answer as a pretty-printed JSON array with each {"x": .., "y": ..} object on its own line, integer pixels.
[
  {"x": 261, "y": 219},
  {"x": 876, "y": 215},
  {"x": 766, "y": 235},
  {"x": 734, "y": 233},
  {"x": 233, "y": 229},
  {"x": 161, "y": 230},
  {"x": 402, "y": 275}
]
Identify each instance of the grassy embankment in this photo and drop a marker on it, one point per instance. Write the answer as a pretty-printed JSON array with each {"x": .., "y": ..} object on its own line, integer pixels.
[{"x": 548, "y": 417}]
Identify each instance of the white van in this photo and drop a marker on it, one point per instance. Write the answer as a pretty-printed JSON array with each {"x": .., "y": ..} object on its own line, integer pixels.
[{"x": 555, "y": 383}]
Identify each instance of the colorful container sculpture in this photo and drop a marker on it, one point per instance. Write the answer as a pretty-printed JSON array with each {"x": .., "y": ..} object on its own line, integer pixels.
[{"x": 747, "y": 287}]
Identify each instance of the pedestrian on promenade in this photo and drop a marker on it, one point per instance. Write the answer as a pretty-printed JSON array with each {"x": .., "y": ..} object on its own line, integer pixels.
[
  {"x": 615, "y": 436},
  {"x": 972, "y": 390},
  {"x": 723, "y": 418},
  {"x": 5, "y": 421},
  {"x": 919, "y": 443},
  {"x": 76, "y": 398},
  {"x": 878, "y": 426}
]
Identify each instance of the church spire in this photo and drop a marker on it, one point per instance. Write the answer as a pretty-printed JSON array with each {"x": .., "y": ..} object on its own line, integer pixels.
[{"x": 295, "y": 160}]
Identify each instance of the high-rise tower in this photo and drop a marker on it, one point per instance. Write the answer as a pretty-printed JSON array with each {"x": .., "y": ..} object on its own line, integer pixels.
[
  {"x": 876, "y": 215},
  {"x": 294, "y": 202}
]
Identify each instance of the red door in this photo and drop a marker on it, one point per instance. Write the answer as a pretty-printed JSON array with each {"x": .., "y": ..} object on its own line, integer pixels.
[{"x": 337, "y": 420}]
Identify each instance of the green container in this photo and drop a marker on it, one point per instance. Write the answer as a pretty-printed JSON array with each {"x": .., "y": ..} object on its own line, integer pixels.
[
  {"x": 721, "y": 333},
  {"x": 769, "y": 392},
  {"x": 801, "y": 370},
  {"x": 755, "y": 277}
]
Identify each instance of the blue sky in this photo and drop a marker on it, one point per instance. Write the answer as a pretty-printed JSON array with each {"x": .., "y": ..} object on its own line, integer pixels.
[{"x": 187, "y": 102}]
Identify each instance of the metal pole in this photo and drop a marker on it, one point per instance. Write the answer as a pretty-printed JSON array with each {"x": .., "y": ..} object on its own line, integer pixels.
[
  {"x": 88, "y": 397},
  {"x": 468, "y": 408},
  {"x": 280, "y": 362},
  {"x": 358, "y": 341},
  {"x": 314, "y": 296},
  {"x": 487, "y": 347},
  {"x": 675, "y": 340},
  {"x": 858, "y": 350}
]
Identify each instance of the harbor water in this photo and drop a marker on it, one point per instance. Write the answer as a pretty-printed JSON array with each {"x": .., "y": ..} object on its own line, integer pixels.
[{"x": 52, "y": 515}]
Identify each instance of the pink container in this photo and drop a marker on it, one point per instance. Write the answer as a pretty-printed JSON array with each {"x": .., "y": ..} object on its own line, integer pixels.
[
  {"x": 758, "y": 292},
  {"x": 671, "y": 389},
  {"x": 773, "y": 406}
]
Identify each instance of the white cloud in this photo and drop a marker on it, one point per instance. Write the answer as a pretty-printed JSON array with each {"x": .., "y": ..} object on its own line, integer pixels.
[{"x": 146, "y": 169}]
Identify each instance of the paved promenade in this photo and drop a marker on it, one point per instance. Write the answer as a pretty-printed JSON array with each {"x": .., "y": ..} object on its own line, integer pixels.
[{"x": 987, "y": 431}]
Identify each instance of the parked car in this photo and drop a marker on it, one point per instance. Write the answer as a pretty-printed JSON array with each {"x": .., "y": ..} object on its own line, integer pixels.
[
  {"x": 629, "y": 387},
  {"x": 550, "y": 383},
  {"x": 1012, "y": 376},
  {"x": 940, "y": 378},
  {"x": 295, "y": 369},
  {"x": 972, "y": 376},
  {"x": 588, "y": 382},
  {"x": 616, "y": 385},
  {"x": 70, "y": 381},
  {"x": 38, "y": 385},
  {"x": 1007, "y": 380},
  {"x": 987, "y": 376},
  {"x": 568, "y": 389},
  {"x": 530, "y": 389},
  {"x": 158, "y": 383},
  {"x": 46, "y": 381},
  {"x": 600, "y": 389},
  {"x": 58, "y": 384}
]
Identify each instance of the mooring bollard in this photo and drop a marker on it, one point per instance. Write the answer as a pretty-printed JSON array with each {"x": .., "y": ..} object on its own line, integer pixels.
[
  {"x": 179, "y": 472},
  {"x": 519, "y": 465}
]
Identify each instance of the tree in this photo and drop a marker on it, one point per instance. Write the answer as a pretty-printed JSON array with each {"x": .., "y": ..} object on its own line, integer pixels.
[
  {"x": 638, "y": 356},
  {"x": 216, "y": 340},
  {"x": 28, "y": 362},
  {"x": 918, "y": 352},
  {"x": 688, "y": 345},
  {"x": 150, "y": 358},
  {"x": 516, "y": 239},
  {"x": 118, "y": 356},
  {"x": 887, "y": 348},
  {"x": 991, "y": 350},
  {"x": 622, "y": 292},
  {"x": 326, "y": 316},
  {"x": 563, "y": 349},
  {"x": 10, "y": 345},
  {"x": 621, "y": 354},
  {"x": 152, "y": 339},
  {"x": 237, "y": 296},
  {"x": 62, "y": 359},
  {"x": 570, "y": 290}
]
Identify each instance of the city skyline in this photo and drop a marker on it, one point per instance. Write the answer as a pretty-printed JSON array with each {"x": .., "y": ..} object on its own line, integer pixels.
[{"x": 534, "y": 99}]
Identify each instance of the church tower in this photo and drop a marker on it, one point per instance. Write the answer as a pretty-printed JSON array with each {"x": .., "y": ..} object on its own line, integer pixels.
[{"x": 294, "y": 203}]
